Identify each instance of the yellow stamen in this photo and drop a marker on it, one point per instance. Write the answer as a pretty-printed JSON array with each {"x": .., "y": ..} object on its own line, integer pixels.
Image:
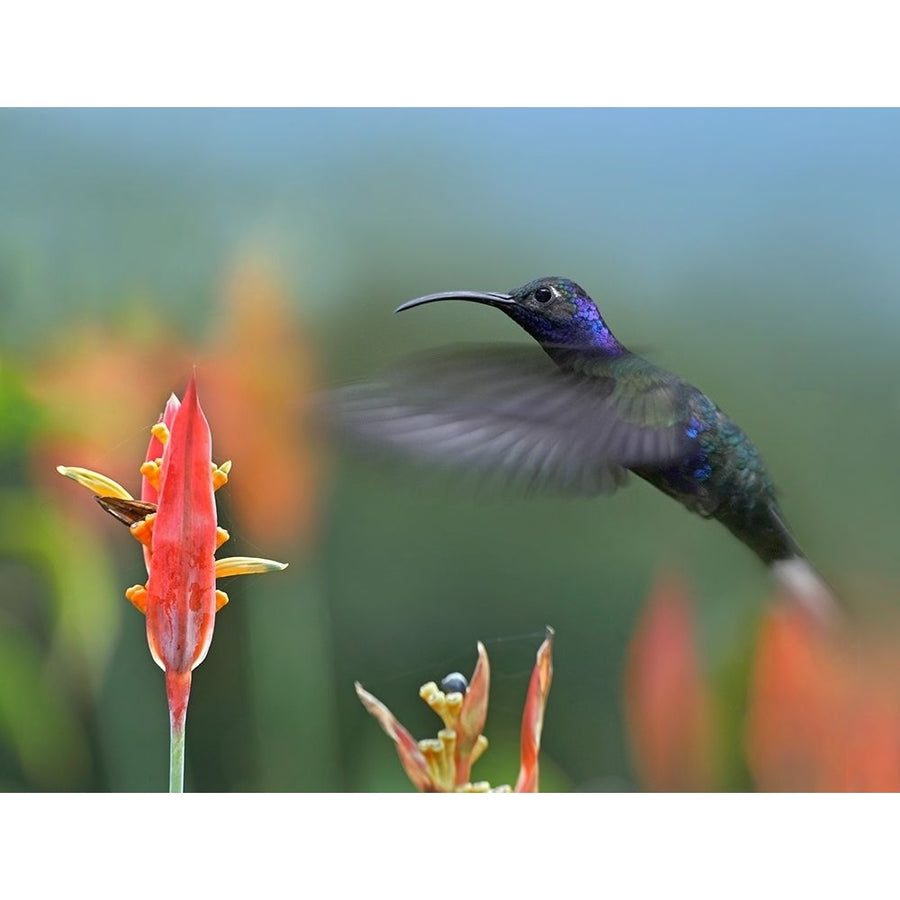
[
  {"x": 438, "y": 753},
  {"x": 447, "y": 706},
  {"x": 220, "y": 474},
  {"x": 94, "y": 481},
  {"x": 221, "y": 599},
  {"x": 161, "y": 432},
  {"x": 246, "y": 565},
  {"x": 150, "y": 471},
  {"x": 221, "y": 536},
  {"x": 482, "y": 787},
  {"x": 143, "y": 530},
  {"x": 138, "y": 596}
]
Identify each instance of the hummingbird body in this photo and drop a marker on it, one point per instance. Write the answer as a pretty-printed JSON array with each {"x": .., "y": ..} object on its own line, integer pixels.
[
  {"x": 580, "y": 425},
  {"x": 725, "y": 478},
  {"x": 717, "y": 471}
]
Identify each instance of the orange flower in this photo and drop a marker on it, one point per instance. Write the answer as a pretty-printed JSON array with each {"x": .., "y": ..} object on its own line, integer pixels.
[
  {"x": 444, "y": 764},
  {"x": 261, "y": 363},
  {"x": 175, "y": 521},
  {"x": 824, "y": 707},
  {"x": 667, "y": 703}
]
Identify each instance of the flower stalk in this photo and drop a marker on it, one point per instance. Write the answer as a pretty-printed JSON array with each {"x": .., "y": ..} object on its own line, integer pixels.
[{"x": 178, "y": 688}]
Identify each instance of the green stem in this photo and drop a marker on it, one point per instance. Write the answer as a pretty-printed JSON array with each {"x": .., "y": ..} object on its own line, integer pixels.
[
  {"x": 176, "y": 760},
  {"x": 178, "y": 688}
]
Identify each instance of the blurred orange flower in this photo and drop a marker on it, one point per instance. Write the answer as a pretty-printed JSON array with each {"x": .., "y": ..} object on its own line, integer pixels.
[
  {"x": 444, "y": 764},
  {"x": 259, "y": 374},
  {"x": 667, "y": 704},
  {"x": 97, "y": 360},
  {"x": 824, "y": 709},
  {"x": 260, "y": 361}
]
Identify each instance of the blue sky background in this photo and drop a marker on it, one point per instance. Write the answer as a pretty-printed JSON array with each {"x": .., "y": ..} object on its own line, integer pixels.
[{"x": 655, "y": 194}]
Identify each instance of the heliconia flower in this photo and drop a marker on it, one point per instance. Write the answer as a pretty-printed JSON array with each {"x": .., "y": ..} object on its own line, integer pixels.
[
  {"x": 175, "y": 521},
  {"x": 824, "y": 710},
  {"x": 444, "y": 764},
  {"x": 667, "y": 701}
]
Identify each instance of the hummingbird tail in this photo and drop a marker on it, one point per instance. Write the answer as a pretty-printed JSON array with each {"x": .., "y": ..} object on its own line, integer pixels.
[{"x": 806, "y": 587}]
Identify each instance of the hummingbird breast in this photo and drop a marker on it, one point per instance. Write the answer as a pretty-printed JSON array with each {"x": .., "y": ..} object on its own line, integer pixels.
[{"x": 723, "y": 476}]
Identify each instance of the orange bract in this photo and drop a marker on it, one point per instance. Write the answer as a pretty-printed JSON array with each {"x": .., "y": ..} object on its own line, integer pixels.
[
  {"x": 181, "y": 590},
  {"x": 180, "y": 538}
]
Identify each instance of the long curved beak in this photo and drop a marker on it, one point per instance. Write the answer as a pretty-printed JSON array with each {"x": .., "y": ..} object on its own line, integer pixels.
[{"x": 488, "y": 297}]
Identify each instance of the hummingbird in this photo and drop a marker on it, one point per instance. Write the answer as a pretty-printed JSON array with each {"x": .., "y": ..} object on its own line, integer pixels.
[{"x": 577, "y": 419}]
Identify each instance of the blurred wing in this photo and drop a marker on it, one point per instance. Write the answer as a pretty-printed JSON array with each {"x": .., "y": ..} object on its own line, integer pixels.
[{"x": 510, "y": 411}]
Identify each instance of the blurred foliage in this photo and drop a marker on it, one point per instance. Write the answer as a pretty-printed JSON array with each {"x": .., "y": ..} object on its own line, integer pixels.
[{"x": 751, "y": 251}]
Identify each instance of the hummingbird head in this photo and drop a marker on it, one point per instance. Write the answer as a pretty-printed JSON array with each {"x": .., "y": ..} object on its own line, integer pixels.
[{"x": 555, "y": 311}]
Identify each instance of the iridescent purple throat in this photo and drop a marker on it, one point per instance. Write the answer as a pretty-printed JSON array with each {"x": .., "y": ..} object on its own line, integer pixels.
[{"x": 586, "y": 312}]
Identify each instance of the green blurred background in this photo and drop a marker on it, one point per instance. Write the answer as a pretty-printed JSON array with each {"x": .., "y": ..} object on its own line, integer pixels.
[{"x": 752, "y": 251}]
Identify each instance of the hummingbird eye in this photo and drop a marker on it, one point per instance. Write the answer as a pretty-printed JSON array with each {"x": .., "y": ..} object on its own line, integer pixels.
[{"x": 543, "y": 294}]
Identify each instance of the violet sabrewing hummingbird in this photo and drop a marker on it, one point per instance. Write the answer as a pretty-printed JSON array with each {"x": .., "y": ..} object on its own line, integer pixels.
[{"x": 579, "y": 421}]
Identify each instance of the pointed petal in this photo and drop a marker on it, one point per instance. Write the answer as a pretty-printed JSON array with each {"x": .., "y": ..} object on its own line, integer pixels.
[
  {"x": 411, "y": 757},
  {"x": 472, "y": 715},
  {"x": 533, "y": 716},
  {"x": 246, "y": 565},
  {"x": 94, "y": 481},
  {"x": 181, "y": 601},
  {"x": 666, "y": 701}
]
